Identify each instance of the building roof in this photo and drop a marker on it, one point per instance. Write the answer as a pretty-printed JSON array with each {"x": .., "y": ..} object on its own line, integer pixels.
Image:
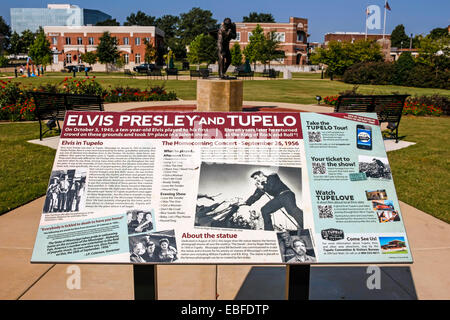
[{"x": 101, "y": 29}]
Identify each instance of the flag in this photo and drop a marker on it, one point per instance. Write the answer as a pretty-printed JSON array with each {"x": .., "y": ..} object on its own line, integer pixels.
[{"x": 387, "y": 6}]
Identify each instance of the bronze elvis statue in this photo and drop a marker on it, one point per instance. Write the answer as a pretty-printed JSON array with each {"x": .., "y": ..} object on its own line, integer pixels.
[{"x": 227, "y": 32}]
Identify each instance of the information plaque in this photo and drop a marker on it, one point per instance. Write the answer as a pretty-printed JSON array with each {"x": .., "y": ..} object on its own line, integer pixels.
[{"x": 219, "y": 188}]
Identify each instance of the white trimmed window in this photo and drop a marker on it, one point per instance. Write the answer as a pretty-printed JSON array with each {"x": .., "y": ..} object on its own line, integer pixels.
[
  {"x": 68, "y": 58},
  {"x": 91, "y": 40},
  {"x": 238, "y": 36},
  {"x": 137, "y": 41},
  {"x": 279, "y": 36},
  {"x": 137, "y": 58},
  {"x": 79, "y": 40},
  {"x": 126, "y": 58},
  {"x": 126, "y": 41},
  {"x": 249, "y": 35},
  {"x": 55, "y": 41},
  {"x": 68, "y": 40}
]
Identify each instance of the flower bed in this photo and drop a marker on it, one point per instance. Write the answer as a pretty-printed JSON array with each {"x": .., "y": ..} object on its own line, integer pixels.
[
  {"x": 417, "y": 106},
  {"x": 16, "y": 102}
]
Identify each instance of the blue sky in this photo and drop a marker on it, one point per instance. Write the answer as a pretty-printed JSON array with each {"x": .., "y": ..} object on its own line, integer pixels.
[{"x": 418, "y": 16}]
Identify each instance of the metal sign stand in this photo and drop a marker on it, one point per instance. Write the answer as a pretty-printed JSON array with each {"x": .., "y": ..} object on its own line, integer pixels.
[
  {"x": 145, "y": 282},
  {"x": 297, "y": 281}
]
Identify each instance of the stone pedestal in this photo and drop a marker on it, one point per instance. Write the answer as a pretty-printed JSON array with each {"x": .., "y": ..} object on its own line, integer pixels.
[{"x": 219, "y": 95}]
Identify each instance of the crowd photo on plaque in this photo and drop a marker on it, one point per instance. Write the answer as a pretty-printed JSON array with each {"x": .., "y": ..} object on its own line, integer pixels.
[
  {"x": 158, "y": 247},
  {"x": 375, "y": 167},
  {"x": 66, "y": 191},
  {"x": 253, "y": 197},
  {"x": 139, "y": 221},
  {"x": 296, "y": 246}
]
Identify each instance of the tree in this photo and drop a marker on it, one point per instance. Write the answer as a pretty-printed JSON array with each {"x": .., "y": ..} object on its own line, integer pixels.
[
  {"x": 438, "y": 33},
  {"x": 5, "y": 33},
  {"x": 236, "y": 55},
  {"x": 259, "y": 17},
  {"x": 107, "y": 51},
  {"x": 3, "y": 61},
  {"x": 140, "y": 19},
  {"x": 435, "y": 53},
  {"x": 169, "y": 24},
  {"x": 399, "y": 37},
  {"x": 27, "y": 39},
  {"x": 339, "y": 56},
  {"x": 108, "y": 22},
  {"x": 16, "y": 46},
  {"x": 89, "y": 57},
  {"x": 194, "y": 23},
  {"x": 203, "y": 49},
  {"x": 40, "y": 51},
  {"x": 271, "y": 49},
  {"x": 403, "y": 67},
  {"x": 150, "y": 52},
  {"x": 254, "y": 51}
]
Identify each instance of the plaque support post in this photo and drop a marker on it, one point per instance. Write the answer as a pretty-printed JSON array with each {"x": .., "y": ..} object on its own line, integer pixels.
[
  {"x": 297, "y": 281},
  {"x": 145, "y": 282}
]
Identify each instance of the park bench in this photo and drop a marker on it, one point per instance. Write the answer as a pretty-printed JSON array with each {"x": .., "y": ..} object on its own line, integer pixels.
[
  {"x": 128, "y": 73},
  {"x": 240, "y": 73},
  {"x": 53, "y": 106},
  {"x": 389, "y": 108},
  {"x": 155, "y": 73},
  {"x": 172, "y": 72},
  {"x": 270, "y": 73},
  {"x": 200, "y": 73}
]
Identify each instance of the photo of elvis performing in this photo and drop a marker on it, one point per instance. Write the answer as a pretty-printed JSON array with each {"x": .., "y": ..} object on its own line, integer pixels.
[
  {"x": 157, "y": 247},
  {"x": 66, "y": 191},
  {"x": 375, "y": 167},
  {"x": 249, "y": 197},
  {"x": 139, "y": 221},
  {"x": 296, "y": 246}
]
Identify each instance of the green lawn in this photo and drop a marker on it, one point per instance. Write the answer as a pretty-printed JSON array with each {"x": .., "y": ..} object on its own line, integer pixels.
[
  {"x": 291, "y": 91},
  {"x": 24, "y": 167}
]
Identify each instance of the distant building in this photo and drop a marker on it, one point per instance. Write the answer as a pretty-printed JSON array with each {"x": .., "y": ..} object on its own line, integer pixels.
[
  {"x": 54, "y": 15},
  {"x": 353, "y": 36},
  {"x": 68, "y": 43},
  {"x": 293, "y": 37},
  {"x": 384, "y": 42},
  {"x": 396, "y": 52}
]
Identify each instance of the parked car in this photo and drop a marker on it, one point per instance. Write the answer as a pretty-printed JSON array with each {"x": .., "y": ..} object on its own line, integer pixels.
[
  {"x": 78, "y": 68},
  {"x": 145, "y": 67}
]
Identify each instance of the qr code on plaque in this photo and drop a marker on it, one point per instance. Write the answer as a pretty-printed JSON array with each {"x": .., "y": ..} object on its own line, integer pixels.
[
  {"x": 319, "y": 168},
  {"x": 325, "y": 211},
  {"x": 315, "y": 136}
]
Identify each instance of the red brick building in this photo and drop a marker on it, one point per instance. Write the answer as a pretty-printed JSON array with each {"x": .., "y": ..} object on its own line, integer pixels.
[
  {"x": 68, "y": 43},
  {"x": 293, "y": 37},
  {"x": 353, "y": 36}
]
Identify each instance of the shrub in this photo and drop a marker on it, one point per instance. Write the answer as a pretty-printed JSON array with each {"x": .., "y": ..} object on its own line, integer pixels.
[
  {"x": 17, "y": 104},
  {"x": 370, "y": 73},
  {"x": 427, "y": 77},
  {"x": 403, "y": 67}
]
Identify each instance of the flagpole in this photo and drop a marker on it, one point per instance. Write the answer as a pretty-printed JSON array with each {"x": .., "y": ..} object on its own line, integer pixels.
[
  {"x": 384, "y": 27},
  {"x": 367, "y": 14}
]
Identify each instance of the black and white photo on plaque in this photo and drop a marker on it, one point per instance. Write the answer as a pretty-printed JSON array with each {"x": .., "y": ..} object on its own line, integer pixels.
[
  {"x": 66, "y": 191},
  {"x": 254, "y": 197},
  {"x": 139, "y": 221},
  {"x": 296, "y": 246},
  {"x": 156, "y": 247},
  {"x": 375, "y": 167}
]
